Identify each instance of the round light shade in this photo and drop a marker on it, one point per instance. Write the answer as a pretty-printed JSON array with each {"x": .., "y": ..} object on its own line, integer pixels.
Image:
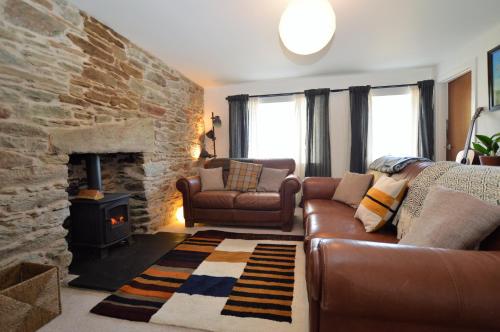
[
  {"x": 217, "y": 121},
  {"x": 306, "y": 26}
]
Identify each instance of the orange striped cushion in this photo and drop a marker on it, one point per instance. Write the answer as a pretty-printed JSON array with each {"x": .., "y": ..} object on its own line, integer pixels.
[{"x": 380, "y": 203}]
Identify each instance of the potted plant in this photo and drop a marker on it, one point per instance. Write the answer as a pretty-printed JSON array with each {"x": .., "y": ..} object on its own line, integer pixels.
[{"x": 487, "y": 148}]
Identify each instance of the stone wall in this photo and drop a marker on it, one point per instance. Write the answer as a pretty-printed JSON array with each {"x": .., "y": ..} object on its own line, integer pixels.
[{"x": 60, "y": 68}]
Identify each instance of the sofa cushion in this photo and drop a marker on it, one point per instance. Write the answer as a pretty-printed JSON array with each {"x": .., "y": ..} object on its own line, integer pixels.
[
  {"x": 452, "y": 220},
  {"x": 321, "y": 206},
  {"x": 343, "y": 225},
  {"x": 258, "y": 201},
  {"x": 381, "y": 202},
  {"x": 271, "y": 179},
  {"x": 215, "y": 199},
  {"x": 352, "y": 188},
  {"x": 211, "y": 179},
  {"x": 243, "y": 176}
]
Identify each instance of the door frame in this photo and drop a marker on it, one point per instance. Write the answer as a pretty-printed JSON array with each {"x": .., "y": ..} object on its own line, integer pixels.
[
  {"x": 442, "y": 101},
  {"x": 457, "y": 136}
]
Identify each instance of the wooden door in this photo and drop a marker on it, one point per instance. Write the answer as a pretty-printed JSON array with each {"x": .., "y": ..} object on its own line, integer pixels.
[{"x": 459, "y": 114}]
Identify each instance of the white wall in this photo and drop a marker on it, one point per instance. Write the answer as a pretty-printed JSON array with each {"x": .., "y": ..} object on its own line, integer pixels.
[
  {"x": 472, "y": 56},
  {"x": 215, "y": 100}
]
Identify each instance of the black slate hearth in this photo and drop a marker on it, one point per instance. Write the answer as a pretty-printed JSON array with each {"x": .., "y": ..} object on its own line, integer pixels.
[{"x": 123, "y": 262}]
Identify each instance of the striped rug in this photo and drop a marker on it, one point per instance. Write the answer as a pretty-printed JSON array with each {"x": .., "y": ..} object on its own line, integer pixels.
[{"x": 220, "y": 281}]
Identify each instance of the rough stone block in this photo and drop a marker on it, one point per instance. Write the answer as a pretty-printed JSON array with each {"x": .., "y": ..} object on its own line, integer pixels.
[
  {"x": 10, "y": 159},
  {"x": 17, "y": 129},
  {"x": 127, "y": 136},
  {"x": 22, "y": 14},
  {"x": 90, "y": 49}
]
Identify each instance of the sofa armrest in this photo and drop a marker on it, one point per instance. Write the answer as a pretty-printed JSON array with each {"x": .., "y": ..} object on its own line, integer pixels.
[
  {"x": 408, "y": 285},
  {"x": 319, "y": 188},
  {"x": 313, "y": 270},
  {"x": 289, "y": 187},
  {"x": 188, "y": 187}
]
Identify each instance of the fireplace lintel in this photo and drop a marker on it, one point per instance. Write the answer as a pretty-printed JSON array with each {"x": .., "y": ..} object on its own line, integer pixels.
[{"x": 129, "y": 136}]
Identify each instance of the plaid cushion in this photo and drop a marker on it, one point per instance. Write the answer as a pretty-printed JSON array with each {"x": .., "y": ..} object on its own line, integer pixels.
[{"x": 243, "y": 176}]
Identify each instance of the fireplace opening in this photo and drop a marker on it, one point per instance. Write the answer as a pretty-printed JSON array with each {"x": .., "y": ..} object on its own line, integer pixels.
[
  {"x": 118, "y": 173},
  {"x": 105, "y": 195}
]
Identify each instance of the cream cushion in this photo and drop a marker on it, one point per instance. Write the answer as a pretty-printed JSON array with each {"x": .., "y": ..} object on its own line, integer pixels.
[
  {"x": 452, "y": 220},
  {"x": 380, "y": 203},
  {"x": 352, "y": 188},
  {"x": 211, "y": 179},
  {"x": 271, "y": 179}
]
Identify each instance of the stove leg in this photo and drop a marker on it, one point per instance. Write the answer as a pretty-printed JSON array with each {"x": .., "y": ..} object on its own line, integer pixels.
[{"x": 103, "y": 253}]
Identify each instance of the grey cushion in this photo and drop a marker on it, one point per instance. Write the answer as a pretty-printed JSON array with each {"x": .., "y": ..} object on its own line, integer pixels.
[
  {"x": 271, "y": 179},
  {"x": 352, "y": 188},
  {"x": 211, "y": 179},
  {"x": 452, "y": 220}
]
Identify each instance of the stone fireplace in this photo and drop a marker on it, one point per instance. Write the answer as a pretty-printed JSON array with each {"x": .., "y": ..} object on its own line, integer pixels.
[
  {"x": 120, "y": 173},
  {"x": 71, "y": 85},
  {"x": 122, "y": 149}
]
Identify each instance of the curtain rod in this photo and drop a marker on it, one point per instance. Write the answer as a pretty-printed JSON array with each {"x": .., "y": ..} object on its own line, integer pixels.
[{"x": 332, "y": 90}]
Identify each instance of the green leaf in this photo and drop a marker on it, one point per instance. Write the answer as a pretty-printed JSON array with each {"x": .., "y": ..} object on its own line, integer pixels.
[
  {"x": 487, "y": 141},
  {"x": 480, "y": 149},
  {"x": 496, "y": 137},
  {"x": 494, "y": 149}
]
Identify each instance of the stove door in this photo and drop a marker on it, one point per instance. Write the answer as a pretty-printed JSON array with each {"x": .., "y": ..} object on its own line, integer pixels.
[{"x": 117, "y": 222}]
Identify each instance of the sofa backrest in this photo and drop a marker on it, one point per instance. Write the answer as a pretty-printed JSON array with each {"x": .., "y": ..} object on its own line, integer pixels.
[
  {"x": 408, "y": 173},
  {"x": 411, "y": 171},
  {"x": 288, "y": 164}
]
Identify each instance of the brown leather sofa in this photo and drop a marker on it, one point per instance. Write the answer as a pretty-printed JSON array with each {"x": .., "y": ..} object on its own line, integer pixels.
[
  {"x": 266, "y": 209},
  {"x": 360, "y": 281}
]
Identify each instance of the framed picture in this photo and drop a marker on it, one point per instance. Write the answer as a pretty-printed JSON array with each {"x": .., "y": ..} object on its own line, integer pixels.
[{"x": 494, "y": 78}]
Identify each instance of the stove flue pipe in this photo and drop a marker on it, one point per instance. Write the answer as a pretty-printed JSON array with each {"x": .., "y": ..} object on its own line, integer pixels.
[{"x": 93, "y": 165}]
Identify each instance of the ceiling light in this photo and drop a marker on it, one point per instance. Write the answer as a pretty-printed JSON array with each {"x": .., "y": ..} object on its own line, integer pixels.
[{"x": 306, "y": 26}]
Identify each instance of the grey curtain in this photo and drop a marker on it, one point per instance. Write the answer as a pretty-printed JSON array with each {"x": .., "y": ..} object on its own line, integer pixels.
[
  {"x": 426, "y": 119},
  {"x": 318, "y": 161},
  {"x": 358, "y": 96},
  {"x": 238, "y": 126}
]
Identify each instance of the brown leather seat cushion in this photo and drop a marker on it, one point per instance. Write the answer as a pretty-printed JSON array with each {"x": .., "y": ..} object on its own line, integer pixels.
[
  {"x": 324, "y": 206},
  {"x": 258, "y": 201},
  {"x": 332, "y": 219},
  {"x": 215, "y": 199}
]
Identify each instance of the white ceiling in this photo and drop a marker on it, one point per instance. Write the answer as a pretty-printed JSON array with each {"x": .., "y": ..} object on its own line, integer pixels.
[{"x": 216, "y": 42}]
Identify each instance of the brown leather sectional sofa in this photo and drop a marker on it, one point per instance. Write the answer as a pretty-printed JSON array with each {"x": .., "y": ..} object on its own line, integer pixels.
[
  {"x": 360, "y": 281},
  {"x": 266, "y": 209}
]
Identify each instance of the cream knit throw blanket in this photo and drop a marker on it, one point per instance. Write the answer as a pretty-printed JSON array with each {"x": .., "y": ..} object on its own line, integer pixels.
[
  {"x": 479, "y": 181},
  {"x": 412, "y": 204}
]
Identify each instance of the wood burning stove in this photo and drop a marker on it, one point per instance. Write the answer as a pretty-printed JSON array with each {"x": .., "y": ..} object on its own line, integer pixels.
[{"x": 99, "y": 223}]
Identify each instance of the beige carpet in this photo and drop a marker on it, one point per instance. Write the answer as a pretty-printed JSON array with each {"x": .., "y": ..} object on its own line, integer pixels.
[
  {"x": 75, "y": 316},
  {"x": 76, "y": 303}
]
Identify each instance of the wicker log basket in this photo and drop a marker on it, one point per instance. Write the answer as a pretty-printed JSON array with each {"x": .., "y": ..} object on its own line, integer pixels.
[{"x": 29, "y": 297}]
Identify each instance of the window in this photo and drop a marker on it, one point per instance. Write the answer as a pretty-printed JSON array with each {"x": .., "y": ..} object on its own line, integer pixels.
[
  {"x": 393, "y": 123},
  {"x": 277, "y": 128}
]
